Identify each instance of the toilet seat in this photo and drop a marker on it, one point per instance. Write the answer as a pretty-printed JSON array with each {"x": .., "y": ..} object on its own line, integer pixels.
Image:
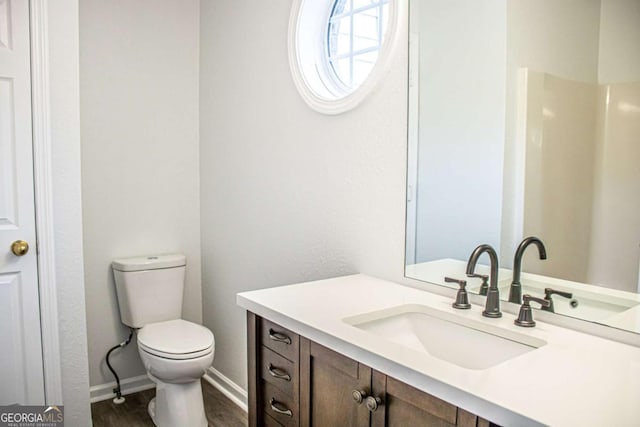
[{"x": 176, "y": 339}]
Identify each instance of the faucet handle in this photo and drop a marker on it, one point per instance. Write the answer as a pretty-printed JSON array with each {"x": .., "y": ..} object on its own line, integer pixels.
[
  {"x": 526, "y": 298},
  {"x": 462, "y": 298},
  {"x": 484, "y": 288},
  {"x": 549, "y": 291},
  {"x": 525, "y": 317},
  {"x": 458, "y": 281},
  {"x": 547, "y": 296}
]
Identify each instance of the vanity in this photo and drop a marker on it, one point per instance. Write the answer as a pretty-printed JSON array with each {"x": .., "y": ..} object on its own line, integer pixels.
[{"x": 356, "y": 350}]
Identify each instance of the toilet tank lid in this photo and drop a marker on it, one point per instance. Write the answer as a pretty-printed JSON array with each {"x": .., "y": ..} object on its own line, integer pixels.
[{"x": 151, "y": 262}]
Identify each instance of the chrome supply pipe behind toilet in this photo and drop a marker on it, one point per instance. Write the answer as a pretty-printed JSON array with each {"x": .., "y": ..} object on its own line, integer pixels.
[{"x": 118, "y": 399}]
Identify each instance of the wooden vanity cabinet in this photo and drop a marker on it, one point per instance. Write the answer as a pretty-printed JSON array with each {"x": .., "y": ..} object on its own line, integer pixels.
[
  {"x": 324, "y": 388},
  {"x": 403, "y": 405},
  {"x": 327, "y": 383},
  {"x": 273, "y": 356}
]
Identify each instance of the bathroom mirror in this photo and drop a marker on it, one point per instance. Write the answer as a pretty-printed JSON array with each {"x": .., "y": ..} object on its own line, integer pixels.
[{"x": 524, "y": 120}]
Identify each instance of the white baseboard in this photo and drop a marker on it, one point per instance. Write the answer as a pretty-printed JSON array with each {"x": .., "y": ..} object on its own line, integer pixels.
[
  {"x": 214, "y": 377},
  {"x": 101, "y": 392},
  {"x": 233, "y": 391}
]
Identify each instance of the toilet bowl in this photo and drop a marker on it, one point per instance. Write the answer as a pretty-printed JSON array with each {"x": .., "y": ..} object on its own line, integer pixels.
[{"x": 176, "y": 353}]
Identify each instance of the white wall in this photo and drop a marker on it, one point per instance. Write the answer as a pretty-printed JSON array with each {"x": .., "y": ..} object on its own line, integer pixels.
[
  {"x": 139, "y": 99},
  {"x": 65, "y": 122},
  {"x": 556, "y": 37},
  {"x": 288, "y": 194},
  {"x": 619, "y": 40},
  {"x": 461, "y": 134}
]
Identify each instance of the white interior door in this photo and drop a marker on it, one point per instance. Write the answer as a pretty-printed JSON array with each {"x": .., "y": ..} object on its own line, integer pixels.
[{"x": 21, "y": 369}]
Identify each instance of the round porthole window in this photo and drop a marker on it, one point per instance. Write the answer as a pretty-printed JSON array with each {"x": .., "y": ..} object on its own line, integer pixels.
[{"x": 340, "y": 49}]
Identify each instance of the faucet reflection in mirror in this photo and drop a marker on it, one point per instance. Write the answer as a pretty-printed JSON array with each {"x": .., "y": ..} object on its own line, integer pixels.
[
  {"x": 544, "y": 97},
  {"x": 548, "y": 293}
]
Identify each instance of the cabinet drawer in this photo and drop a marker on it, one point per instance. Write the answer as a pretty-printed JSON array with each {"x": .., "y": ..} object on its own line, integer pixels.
[
  {"x": 279, "y": 371},
  {"x": 267, "y": 421},
  {"x": 279, "y": 339},
  {"x": 278, "y": 405}
]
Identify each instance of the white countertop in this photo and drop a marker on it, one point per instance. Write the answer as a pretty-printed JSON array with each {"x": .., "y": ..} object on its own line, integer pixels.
[{"x": 574, "y": 380}]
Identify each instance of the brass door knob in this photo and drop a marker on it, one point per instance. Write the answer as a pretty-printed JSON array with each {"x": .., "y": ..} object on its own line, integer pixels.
[{"x": 19, "y": 248}]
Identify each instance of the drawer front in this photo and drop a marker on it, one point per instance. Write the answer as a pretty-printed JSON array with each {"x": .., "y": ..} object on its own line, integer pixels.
[
  {"x": 278, "y": 371},
  {"x": 279, "y": 339},
  {"x": 278, "y": 405},
  {"x": 267, "y": 421}
]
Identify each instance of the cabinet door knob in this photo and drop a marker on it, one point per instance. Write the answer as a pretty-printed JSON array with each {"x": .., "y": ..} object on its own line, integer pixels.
[
  {"x": 359, "y": 396},
  {"x": 373, "y": 403}
]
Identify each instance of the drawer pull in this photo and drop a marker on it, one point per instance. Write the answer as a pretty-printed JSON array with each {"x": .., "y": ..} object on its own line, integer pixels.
[
  {"x": 279, "y": 337},
  {"x": 275, "y": 408},
  {"x": 278, "y": 373}
]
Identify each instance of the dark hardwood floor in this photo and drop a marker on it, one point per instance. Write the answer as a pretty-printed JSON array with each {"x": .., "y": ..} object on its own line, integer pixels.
[{"x": 133, "y": 412}]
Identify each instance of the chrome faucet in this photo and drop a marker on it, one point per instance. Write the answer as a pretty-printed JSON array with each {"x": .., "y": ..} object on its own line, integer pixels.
[
  {"x": 492, "y": 306},
  {"x": 515, "y": 290}
]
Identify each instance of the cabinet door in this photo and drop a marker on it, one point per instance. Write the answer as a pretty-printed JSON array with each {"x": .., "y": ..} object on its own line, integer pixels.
[
  {"x": 327, "y": 382},
  {"x": 402, "y": 405}
]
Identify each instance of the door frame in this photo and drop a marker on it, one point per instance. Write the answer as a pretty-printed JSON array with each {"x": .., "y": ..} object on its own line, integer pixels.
[{"x": 43, "y": 199}]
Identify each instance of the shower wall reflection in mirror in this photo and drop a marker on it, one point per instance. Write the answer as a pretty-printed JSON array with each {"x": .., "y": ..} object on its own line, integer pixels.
[{"x": 524, "y": 120}]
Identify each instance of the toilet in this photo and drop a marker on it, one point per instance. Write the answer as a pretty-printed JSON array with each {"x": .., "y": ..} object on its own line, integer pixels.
[{"x": 176, "y": 353}]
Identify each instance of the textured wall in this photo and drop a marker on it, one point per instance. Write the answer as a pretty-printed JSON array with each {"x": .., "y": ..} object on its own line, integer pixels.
[
  {"x": 65, "y": 134},
  {"x": 139, "y": 105},
  {"x": 288, "y": 195}
]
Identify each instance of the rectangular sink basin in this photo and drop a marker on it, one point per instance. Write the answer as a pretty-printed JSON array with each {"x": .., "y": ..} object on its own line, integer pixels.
[{"x": 458, "y": 340}]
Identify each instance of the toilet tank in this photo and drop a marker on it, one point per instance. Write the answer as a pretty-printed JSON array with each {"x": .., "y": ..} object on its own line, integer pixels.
[{"x": 149, "y": 288}]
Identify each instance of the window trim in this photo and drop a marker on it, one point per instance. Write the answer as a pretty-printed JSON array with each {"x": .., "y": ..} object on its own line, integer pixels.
[{"x": 306, "y": 52}]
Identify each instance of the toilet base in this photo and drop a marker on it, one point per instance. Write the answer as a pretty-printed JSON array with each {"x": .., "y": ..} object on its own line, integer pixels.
[
  {"x": 178, "y": 405},
  {"x": 151, "y": 409}
]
